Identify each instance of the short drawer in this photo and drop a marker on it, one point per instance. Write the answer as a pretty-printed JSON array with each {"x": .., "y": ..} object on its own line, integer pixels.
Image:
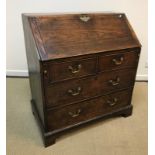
[
  {"x": 119, "y": 60},
  {"x": 71, "y": 69},
  {"x": 79, "y": 89},
  {"x": 80, "y": 112}
]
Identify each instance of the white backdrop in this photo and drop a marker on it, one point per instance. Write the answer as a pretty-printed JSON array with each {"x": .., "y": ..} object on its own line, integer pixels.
[{"x": 136, "y": 11}]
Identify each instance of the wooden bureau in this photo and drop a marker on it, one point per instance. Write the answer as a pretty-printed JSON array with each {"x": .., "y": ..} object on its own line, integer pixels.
[{"x": 82, "y": 67}]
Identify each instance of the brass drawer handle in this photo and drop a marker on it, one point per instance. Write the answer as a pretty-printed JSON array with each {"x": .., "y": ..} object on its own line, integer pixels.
[
  {"x": 75, "y": 69},
  {"x": 45, "y": 71},
  {"x": 114, "y": 82},
  {"x": 75, "y": 114},
  {"x": 74, "y": 92},
  {"x": 118, "y": 62},
  {"x": 112, "y": 102},
  {"x": 84, "y": 18}
]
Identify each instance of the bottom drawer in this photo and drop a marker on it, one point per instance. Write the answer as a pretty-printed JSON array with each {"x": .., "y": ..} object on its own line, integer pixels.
[{"x": 72, "y": 114}]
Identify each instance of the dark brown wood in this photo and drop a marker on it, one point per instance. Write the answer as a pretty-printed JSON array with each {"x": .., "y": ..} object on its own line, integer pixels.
[
  {"x": 68, "y": 69},
  {"x": 89, "y": 87},
  {"x": 77, "y": 113},
  {"x": 34, "y": 69},
  {"x": 71, "y": 69},
  {"x": 60, "y": 36},
  {"x": 50, "y": 137},
  {"x": 82, "y": 68},
  {"x": 119, "y": 60}
]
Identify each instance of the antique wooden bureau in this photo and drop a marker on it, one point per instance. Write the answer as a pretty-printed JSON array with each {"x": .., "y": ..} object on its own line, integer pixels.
[{"x": 82, "y": 68}]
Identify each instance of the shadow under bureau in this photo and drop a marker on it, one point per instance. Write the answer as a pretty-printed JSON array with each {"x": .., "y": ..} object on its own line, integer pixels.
[{"x": 82, "y": 68}]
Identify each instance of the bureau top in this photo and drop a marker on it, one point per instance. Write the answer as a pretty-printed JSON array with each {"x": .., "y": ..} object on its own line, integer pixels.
[{"x": 68, "y": 35}]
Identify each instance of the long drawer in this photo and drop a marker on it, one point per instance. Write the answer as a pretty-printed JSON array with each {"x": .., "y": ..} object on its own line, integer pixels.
[
  {"x": 77, "y": 113},
  {"x": 79, "y": 89}
]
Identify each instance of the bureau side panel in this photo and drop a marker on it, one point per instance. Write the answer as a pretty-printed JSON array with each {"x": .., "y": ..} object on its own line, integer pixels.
[{"x": 34, "y": 67}]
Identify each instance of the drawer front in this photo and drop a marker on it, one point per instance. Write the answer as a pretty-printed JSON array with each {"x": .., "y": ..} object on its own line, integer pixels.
[
  {"x": 119, "y": 60},
  {"x": 77, "y": 113},
  {"x": 71, "y": 69},
  {"x": 80, "y": 89}
]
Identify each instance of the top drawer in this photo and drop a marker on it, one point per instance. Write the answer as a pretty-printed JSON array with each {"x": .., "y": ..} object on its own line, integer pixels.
[
  {"x": 62, "y": 70},
  {"x": 118, "y": 60}
]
